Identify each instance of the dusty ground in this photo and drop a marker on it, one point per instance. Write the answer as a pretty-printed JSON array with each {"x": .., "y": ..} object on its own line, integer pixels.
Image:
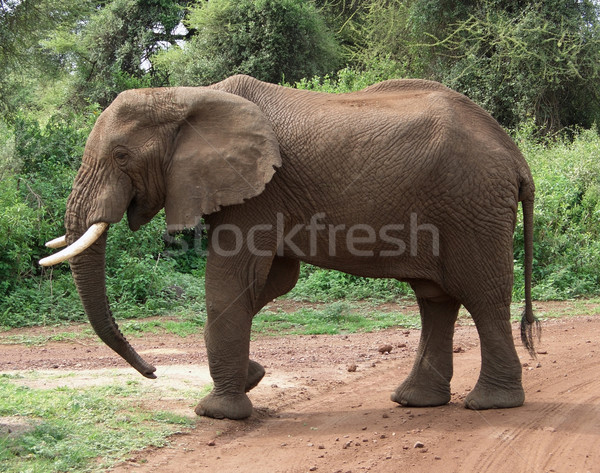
[{"x": 314, "y": 414}]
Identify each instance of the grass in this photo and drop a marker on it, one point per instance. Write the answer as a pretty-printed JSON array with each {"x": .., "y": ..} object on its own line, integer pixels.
[
  {"x": 334, "y": 318},
  {"x": 35, "y": 340},
  {"x": 182, "y": 326},
  {"x": 318, "y": 318},
  {"x": 79, "y": 430}
]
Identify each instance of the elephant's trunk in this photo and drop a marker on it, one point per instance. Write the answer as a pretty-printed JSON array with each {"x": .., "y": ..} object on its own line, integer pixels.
[
  {"x": 88, "y": 270},
  {"x": 89, "y": 275}
]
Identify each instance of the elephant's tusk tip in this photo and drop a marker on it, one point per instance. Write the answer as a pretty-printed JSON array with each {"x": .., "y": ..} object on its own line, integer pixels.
[
  {"x": 57, "y": 242},
  {"x": 85, "y": 241},
  {"x": 48, "y": 261}
]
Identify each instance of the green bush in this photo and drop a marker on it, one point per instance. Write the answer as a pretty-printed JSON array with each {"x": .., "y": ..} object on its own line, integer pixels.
[
  {"x": 17, "y": 220},
  {"x": 48, "y": 299},
  {"x": 8, "y": 164},
  {"x": 43, "y": 149},
  {"x": 352, "y": 79},
  {"x": 316, "y": 284},
  {"x": 270, "y": 40},
  {"x": 567, "y": 212}
]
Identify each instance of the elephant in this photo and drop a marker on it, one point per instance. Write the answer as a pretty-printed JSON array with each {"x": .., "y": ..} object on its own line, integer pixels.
[{"x": 405, "y": 179}]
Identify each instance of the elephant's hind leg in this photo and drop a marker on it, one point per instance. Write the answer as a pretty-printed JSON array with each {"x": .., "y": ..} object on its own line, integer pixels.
[
  {"x": 282, "y": 277},
  {"x": 428, "y": 384},
  {"x": 256, "y": 373},
  {"x": 499, "y": 384}
]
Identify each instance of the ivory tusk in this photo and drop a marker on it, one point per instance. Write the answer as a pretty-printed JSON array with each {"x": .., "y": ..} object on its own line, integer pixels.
[
  {"x": 57, "y": 242},
  {"x": 85, "y": 241}
]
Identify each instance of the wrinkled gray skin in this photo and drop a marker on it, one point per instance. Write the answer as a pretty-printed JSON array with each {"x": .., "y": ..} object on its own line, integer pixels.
[{"x": 247, "y": 153}]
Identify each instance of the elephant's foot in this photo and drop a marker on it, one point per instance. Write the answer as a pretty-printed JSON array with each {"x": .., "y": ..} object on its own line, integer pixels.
[
  {"x": 414, "y": 394},
  {"x": 234, "y": 407},
  {"x": 255, "y": 374},
  {"x": 495, "y": 397}
]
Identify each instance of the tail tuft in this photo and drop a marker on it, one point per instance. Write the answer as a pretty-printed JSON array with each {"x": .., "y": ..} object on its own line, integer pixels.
[{"x": 530, "y": 330}]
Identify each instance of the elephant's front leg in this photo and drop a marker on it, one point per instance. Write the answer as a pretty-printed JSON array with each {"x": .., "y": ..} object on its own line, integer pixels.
[
  {"x": 256, "y": 372},
  {"x": 237, "y": 286},
  {"x": 232, "y": 288},
  {"x": 227, "y": 337},
  {"x": 226, "y": 400}
]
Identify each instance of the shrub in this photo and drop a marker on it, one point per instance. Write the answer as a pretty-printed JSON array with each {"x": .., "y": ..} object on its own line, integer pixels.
[
  {"x": 316, "y": 284},
  {"x": 513, "y": 58},
  {"x": 352, "y": 79},
  {"x": 17, "y": 220},
  {"x": 567, "y": 212},
  {"x": 267, "y": 39}
]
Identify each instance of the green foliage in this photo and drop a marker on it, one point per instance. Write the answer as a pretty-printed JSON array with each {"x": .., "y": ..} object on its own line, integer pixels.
[
  {"x": 516, "y": 59},
  {"x": 352, "y": 79},
  {"x": 27, "y": 68},
  {"x": 15, "y": 224},
  {"x": 271, "y": 40},
  {"x": 317, "y": 284},
  {"x": 34, "y": 201},
  {"x": 42, "y": 150},
  {"x": 535, "y": 63},
  {"x": 345, "y": 18},
  {"x": 8, "y": 164},
  {"x": 144, "y": 280},
  {"x": 567, "y": 212},
  {"x": 110, "y": 54}
]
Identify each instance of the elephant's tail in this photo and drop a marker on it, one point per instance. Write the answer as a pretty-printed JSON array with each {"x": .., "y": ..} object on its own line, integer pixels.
[{"x": 529, "y": 323}]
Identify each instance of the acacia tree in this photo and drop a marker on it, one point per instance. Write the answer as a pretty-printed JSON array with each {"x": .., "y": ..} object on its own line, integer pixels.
[
  {"x": 24, "y": 25},
  {"x": 84, "y": 50},
  {"x": 110, "y": 50},
  {"x": 271, "y": 40},
  {"x": 517, "y": 59},
  {"x": 543, "y": 63}
]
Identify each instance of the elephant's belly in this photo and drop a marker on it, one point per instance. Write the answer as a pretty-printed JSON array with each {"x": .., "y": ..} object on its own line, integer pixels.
[{"x": 391, "y": 251}]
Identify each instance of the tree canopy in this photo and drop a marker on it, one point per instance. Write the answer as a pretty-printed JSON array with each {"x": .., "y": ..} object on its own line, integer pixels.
[{"x": 519, "y": 60}]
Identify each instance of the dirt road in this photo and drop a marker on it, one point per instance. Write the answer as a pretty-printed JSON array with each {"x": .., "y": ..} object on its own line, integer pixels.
[{"x": 324, "y": 406}]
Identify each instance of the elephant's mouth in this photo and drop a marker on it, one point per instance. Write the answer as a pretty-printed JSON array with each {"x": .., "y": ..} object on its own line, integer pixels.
[{"x": 141, "y": 212}]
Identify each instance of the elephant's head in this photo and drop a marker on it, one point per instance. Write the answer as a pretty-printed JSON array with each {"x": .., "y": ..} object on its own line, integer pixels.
[{"x": 189, "y": 150}]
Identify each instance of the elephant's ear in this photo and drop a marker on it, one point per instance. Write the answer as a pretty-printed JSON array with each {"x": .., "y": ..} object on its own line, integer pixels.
[{"x": 224, "y": 152}]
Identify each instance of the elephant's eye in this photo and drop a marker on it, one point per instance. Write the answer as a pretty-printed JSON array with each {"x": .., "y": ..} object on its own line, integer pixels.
[{"x": 120, "y": 155}]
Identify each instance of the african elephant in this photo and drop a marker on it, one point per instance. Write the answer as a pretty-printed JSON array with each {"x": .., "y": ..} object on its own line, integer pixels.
[{"x": 405, "y": 179}]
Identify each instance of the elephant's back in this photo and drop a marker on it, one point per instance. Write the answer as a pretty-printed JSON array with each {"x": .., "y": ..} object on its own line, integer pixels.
[{"x": 404, "y": 86}]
